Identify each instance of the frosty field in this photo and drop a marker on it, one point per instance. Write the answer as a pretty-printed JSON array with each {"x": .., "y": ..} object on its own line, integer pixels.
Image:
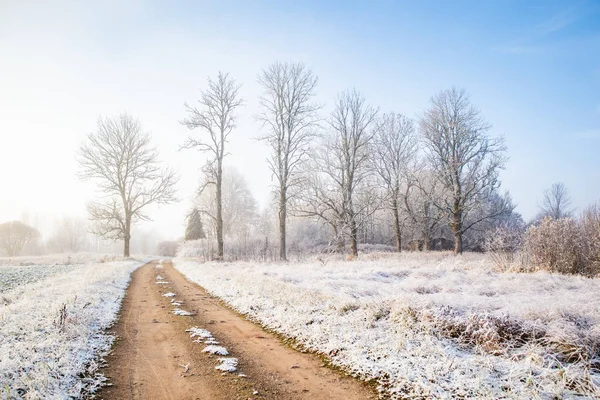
[
  {"x": 427, "y": 325},
  {"x": 52, "y": 317}
]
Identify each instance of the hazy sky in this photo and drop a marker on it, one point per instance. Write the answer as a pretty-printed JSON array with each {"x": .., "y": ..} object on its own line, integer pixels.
[{"x": 532, "y": 67}]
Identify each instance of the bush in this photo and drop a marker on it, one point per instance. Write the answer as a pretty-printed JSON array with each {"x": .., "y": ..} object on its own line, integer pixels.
[
  {"x": 167, "y": 248},
  {"x": 555, "y": 246},
  {"x": 254, "y": 249},
  {"x": 590, "y": 230},
  {"x": 502, "y": 244}
]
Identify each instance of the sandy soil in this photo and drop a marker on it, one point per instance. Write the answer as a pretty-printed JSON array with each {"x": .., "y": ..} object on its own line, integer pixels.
[{"x": 153, "y": 349}]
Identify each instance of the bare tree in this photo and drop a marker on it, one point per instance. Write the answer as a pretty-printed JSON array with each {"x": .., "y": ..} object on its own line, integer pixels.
[
  {"x": 322, "y": 195},
  {"x": 464, "y": 156},
  {"x": 419, "y": 196},
  {"x": 14, "y": 236},
  {"x": 394, "y": 145},
  {"x": 120, "y": 158},
  {"x": 240, "y": 209},
  {"x": 556, "y": 202},
  {"x": 215, "y": 117},
  {"x": 70, "y": 235},
  {"x": 341, "y": 168},
  {"x": 290, "y": 116}
]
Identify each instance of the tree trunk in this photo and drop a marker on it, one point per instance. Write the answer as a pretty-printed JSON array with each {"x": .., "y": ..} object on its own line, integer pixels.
[
  {"x": 397, "y": 225},
  {"x": 457, "y": 229},
  {"x": 219, "y": 213},
  {"x": 127, "y": 236},
  {"x": 353, "y": 239},
  {"x": 457, "y": 243},
  {"x": 282, "y": 220},
  {"x": 426, "y": 239},
  {"x": 339, "y": 239},
  {"x": 457, "y": 221}
]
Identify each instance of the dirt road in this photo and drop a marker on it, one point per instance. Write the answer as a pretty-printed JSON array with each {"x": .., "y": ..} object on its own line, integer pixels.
[{"x": 155, "y": 358}]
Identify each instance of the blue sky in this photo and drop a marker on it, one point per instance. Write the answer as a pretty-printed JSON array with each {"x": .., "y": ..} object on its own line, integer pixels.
[{"x": 532, "y": 67}]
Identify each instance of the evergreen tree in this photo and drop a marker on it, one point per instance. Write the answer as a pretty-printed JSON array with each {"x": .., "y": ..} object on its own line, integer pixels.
[{"x": 194, "y": 230}]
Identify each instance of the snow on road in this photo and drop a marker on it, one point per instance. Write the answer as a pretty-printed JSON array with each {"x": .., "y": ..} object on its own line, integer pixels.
[
  {"x": 426, "y": 325},
  {"x": 52, "y": 327}
]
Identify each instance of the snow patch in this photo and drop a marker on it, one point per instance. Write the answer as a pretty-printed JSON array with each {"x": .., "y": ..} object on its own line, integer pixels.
[
  {"x": 228, "y": 364},
  {"x": 199, "y": 332},
  {"x": 179, "y": 311},
  {"x": 218, "y": 350}
]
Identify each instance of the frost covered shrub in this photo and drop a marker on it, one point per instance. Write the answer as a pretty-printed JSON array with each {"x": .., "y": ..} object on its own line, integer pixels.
[
  {"x": 193, "y": 248},
  {"x": 555, "y": 246},
  {"x": 502, "y": 244},
  {"x": 376, "y": 248},
  {"x": 251, "y": 249},
  {"x": 492, "y": 334},
  {"x": 590, "y": 230},
  {"x": 167, "y": 248}
]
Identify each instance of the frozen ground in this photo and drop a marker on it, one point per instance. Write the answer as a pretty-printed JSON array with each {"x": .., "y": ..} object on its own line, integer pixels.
[
  {"x": 17, "y": 275},
  {"x": 16, "y": 271},
  {"x": 427, "y": 325},
  {"x": 52, "y": 325}
]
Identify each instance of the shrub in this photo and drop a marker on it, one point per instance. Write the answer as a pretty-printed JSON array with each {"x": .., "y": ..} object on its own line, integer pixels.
[
  {"x": 167, "y": 248},
  {"x": 194, "y": 248},
  {"x": 554, "y": 245},
  {"x": 502, "y": 244},
  {"x": 590, "y": 231}
]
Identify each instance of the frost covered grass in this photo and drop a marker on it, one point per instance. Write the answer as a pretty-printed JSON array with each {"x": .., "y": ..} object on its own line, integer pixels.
[
  {"x": 64, "y": 259},
  {"x": 12, "y": 276},
  {"x": 17, "y": 271},
  {"x": 427, "y": 325},
  {"x": 52, "y": 330}
]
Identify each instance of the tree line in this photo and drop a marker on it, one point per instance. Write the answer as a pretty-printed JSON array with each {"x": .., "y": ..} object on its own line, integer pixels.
[
  {"x": 342, "y": 167},
  {"x": 438, "y": 171}
]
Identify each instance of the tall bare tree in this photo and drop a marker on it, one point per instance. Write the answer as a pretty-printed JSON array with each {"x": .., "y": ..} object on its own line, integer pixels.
[
  {"x": 343, "y": 163},
  {"x": 394, "y": 145},
  {"x": 14, "y": 236},
  {"x": 466, "y": 159},
  {"x": 556, "y": 202},
  {"x": 289, "y": 113},
  {"x": 216, "y": 118},
  {"x": 120, "y": 158}
]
